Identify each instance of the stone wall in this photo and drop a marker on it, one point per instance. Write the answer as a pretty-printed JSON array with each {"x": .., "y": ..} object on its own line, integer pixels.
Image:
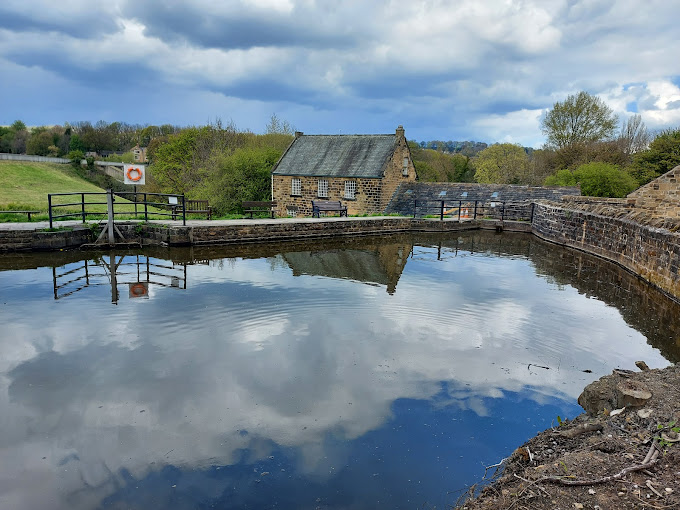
[
  {"x": 32, "y": 240},
  {"x": 453, "y": 192},
  {"x": 651, "y": 253},
  {"x": 661, "y": 197}
]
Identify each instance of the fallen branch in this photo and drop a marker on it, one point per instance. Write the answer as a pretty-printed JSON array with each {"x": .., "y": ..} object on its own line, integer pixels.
[
  {"x": 581, "y": 429},
  {"x": 561, "y": 480}
]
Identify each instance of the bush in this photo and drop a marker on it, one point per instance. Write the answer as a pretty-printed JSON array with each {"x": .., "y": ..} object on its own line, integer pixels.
[
  {"x": 596, "y": 180},
  {"x": 76, "y": 157}
]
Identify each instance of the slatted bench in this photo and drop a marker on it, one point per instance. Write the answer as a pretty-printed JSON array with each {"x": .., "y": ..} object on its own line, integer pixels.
[
  {"x": 258, "y": 207},
  {"x": 28, "y": 213},
  {"x": 193, "y": 207},
  {"x": 319, "y": 206}
]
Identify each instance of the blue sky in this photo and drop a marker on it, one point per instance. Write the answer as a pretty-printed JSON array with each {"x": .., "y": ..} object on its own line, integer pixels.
[{"x": 460, "y": 70}]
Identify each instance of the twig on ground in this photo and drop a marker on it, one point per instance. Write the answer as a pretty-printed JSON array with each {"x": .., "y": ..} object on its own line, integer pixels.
[
  {"x": 561, "y": 480},
  {"x": 533, "y": 483}
]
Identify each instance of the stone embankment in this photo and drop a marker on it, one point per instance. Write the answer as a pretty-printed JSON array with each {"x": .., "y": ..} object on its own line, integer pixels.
[{"x": 232, "y": 231}]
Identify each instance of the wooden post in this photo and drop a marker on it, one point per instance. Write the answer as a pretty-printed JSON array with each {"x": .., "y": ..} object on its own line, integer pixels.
[{"x": 109, "y": 206}]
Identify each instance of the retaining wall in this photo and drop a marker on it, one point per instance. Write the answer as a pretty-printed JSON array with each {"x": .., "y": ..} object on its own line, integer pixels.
[{"x": 651, "y": 253}]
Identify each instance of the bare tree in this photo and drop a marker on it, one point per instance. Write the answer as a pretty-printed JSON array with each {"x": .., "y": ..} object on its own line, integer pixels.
[{"x": 634, "y": 136}]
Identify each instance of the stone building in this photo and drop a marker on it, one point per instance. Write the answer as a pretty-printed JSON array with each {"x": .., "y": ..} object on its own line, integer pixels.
[{"x": 362, "y": 171}]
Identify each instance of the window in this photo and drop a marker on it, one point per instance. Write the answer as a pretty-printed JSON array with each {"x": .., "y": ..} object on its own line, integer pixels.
[
  {"x": 296, "y": 187},
  {"x": 464, "y": 194},
  {"x": 350, "y": 189},
  {"x": 404, "y": 169},
  {"x": 323, "y": 188}
]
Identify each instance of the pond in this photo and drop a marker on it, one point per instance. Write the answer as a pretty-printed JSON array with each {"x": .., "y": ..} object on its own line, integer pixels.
[{"x": 353, "y": 373}]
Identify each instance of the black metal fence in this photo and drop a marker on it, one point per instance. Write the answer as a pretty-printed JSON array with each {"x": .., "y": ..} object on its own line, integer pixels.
[
  {"x": 467, "y": 210},
  {"x": 136, "y": 205}
]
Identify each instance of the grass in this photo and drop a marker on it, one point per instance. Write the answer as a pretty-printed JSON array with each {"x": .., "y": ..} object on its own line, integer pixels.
[{"x": 24, "y": 185}]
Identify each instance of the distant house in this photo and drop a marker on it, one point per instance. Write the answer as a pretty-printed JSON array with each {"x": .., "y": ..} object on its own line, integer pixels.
[
  {"x": 362, "y": 171},
  {"x": 139, "y": 153}
]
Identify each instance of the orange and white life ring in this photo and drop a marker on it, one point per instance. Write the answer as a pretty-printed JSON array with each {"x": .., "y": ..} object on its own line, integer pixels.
[
  {"x": 138, "y": 174},
  {"x": 138, "y": 290}
]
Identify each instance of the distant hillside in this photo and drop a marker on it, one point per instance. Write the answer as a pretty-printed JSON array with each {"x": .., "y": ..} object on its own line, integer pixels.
[
  {"x": 467, "y": 148},
  {"x": 26, "y": 184}
]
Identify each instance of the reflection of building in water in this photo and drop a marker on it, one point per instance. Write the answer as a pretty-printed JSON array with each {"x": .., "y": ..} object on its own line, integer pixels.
[
  {"x": 379, "y": 264},
  {"x": 137, "y": 272}
]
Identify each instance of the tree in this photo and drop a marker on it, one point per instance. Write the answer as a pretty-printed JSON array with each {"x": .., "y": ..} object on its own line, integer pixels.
[
  {"x": 596, "y": 179},
  {"x": 504, "y": 163},
  {"x": 634, "y": 136},
  {"x": 662, "y": 155},
  {"x": 279, "y": 127},
  {"x": 580, "y": 118}
]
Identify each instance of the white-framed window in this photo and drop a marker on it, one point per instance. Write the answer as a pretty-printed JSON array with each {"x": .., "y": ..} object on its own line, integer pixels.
[
  {"x": 323, "y": 188},
  {"x": 296, "y": 186},
  {"x": 350, "y": 189},
  {"x": 404, "y": 168}
]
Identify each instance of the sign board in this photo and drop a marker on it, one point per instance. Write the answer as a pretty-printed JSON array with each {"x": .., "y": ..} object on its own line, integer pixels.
[
  {"x": 134, "y": 174},
  {"x": 172, "y": 200}
]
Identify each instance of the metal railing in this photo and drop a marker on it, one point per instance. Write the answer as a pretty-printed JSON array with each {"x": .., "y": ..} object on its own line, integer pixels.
[
  {"x": 467, "y": 210},
  {"x": 153, "y": 204}
]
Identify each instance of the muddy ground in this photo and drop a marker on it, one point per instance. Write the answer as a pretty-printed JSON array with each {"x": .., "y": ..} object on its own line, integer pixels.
[{"x": 609, "y": 453}]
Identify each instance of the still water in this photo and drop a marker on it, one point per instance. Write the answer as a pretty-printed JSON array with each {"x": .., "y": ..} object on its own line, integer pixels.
[{"x": 352, "y": 374}]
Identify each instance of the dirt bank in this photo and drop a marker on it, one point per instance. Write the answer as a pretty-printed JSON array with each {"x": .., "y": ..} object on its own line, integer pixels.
[{"x": 604, "y": 459}]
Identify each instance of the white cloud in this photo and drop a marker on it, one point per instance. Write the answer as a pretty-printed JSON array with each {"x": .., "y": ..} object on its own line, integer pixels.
[{"x": 431, "y": 65}]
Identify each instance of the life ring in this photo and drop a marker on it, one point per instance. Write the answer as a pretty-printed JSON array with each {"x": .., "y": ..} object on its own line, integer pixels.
[
  {"x": 138, "y": 290},
  {"x": 137, "y": 171}
]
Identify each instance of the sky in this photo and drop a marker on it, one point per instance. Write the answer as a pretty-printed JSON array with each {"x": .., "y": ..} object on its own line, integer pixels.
[{"x": 444, "y": 69}]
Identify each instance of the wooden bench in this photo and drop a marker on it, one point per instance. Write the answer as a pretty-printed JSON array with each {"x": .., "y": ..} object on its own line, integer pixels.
[
  {"x": 193, "y": 207},
  {"x": 28, "y": 213},
  {"x": 256, "y": 207},
  {"x": 319, "y": 206}
]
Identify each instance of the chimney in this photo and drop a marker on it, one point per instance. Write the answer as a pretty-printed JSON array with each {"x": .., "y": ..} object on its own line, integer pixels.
[
  {"x": 298, "y": 134},
  {"x": 400, "y": 131}
]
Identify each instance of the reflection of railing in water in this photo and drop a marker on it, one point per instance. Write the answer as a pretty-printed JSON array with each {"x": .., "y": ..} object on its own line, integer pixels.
[{"x": 115, "y": 272}]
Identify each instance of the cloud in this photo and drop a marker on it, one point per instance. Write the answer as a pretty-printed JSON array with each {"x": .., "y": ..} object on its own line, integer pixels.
[{"x": 443, "y": 69}]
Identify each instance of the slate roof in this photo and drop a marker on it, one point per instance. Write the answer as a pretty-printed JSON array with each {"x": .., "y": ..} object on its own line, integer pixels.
[{"x": 337, "y": 156}]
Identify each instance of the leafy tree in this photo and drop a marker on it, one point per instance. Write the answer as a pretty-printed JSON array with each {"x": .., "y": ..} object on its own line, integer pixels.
[
  {"x": 663, "y": 155},
  {"x": 39, "y": 142},
  {"x": 242, "y": 175},
  {"x": 579, "y": 119},
  {"x": 76, "y": 144},
  {"x": 596, "y": 179},
  {"x": 504, "y": 163}
]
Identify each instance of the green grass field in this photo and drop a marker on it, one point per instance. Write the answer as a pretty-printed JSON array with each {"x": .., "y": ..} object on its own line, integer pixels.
[{"x": 24, "y": 185}]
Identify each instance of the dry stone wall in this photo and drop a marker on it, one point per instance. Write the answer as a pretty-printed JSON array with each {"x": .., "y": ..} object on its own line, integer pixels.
[{"x": 652, "y": 253}]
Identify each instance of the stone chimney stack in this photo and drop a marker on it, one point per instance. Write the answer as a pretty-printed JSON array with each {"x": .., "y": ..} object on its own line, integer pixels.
[
  {"x": 298, "y": 134},
  {"x": 400, "y": 131}
]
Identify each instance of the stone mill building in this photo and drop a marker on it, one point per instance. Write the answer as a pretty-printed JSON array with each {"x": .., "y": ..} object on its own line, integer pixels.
[{"x": 362, "y": 171}]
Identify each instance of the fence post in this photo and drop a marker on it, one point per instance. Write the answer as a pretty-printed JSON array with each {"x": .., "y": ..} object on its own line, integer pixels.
[
  {"x": 503, "y": 211},
  {"x": 109, "y": 207},
  {"x": 441, "y": 212},
  {"x": 460, "y": 204},
  {"x": 49, "y": 207},
  {"x": 82, "y": 205},
  {"x": 146, "y": 211},
  {"x": 474, "y": 214},
  {"x": 184, "y": 211},
  {"x": 531, "y": 219},
  {"x": 415, "y": 207}
]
